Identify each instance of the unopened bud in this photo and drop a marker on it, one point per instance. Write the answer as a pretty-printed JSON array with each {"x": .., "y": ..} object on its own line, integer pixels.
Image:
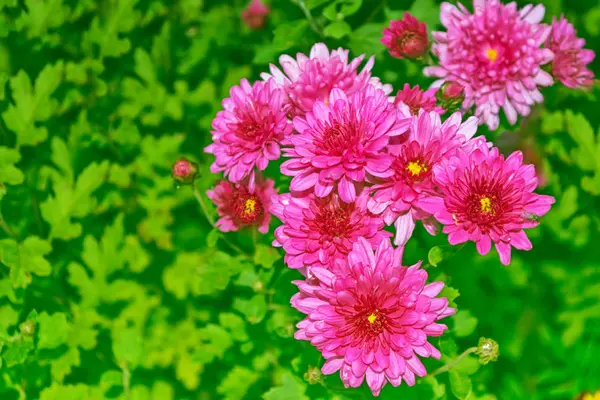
[
  {"x": 451, "y": 96},
  {"x": 255, "y": 14},
  {"x": 185, "y": 171},
  {"x": 406, "y": 37},
  {"x": 487, "y": 350},
  {"x": 313, "y": 375},
  {"x": 27, "y": 328}
]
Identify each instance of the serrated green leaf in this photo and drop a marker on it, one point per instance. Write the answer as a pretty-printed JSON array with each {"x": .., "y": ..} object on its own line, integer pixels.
[
  {"x": 10, "y": 174},
  {"x": 53, "y": 330},
  {"x": 253, "y": 309},
  {"x": 41, "y": 16},
  {"x": 460, "y": 385},
  {"x": 440, "y": 253},
  {"x": 266, "y": 256},
  {"x": 236, "y": 383},
  {"x": 128, "y": 347},
  {"x": 17, "y": 351},
  {"x": 367, "y": 39},
  {"x": 337, "y": 29},
  {"x": 291, "y": 388},
  {"x": 235, "y": 325},
  {"x": 464, "y": 323},
  {"x": 25, "y": 259}
]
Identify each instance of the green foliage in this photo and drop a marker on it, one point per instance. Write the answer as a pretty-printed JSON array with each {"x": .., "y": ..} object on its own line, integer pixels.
[{"x": 114, "y": 285}]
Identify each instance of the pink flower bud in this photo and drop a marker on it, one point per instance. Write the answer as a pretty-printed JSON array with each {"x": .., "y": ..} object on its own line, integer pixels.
[
  {"x": 406, "y": 37},
  {"x": 451, "y": 96},
  {"x": 185, "y": 171},
  {"x": 255, "y": 14}
]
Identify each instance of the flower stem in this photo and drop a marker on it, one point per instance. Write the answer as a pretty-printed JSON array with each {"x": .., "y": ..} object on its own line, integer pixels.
[
  {"x": 7, "y": 228},
  {"x": 451, "y": 364},
  {"x": 313, "y": 24}
]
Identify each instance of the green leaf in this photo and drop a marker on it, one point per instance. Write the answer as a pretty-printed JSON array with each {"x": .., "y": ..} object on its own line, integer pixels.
[
  {"x": 460, "y": 384},
  {"x": 341, "y": 9},
  {"x": 54, "y": 330},
  {"x": 266, "y": 256},
  {"x": 291, "y": 388},
  {"x": 32, "y": 104},
  {"x": 128, "y": 347},
  {"x": 10, "y": 174},
  {"x": 236, "y": 383},
  {"x": 367, "y": 39},
  {"x": 17, "y": 351},
  {"x": 552, "y": 122},
  {"x": 41, "y": 16},
  {"x": 212, "y": 238},
  {"x": 438, "y": 254},
  {"x": 253, "y": 309},
  {"x": 427, "y": 11},
  {"x": 235, "y": 325},
  {"x": 464, "y": 323},
  {"x": 337, "y": 29},
  {"x": 25, "y": 259}
]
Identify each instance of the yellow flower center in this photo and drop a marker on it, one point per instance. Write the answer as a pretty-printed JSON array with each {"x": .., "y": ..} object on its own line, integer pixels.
[
  {"x": 249, "y": 206},
  {"x": 486, "y": 204},
  {"x": 589, "y": 396},
  {"x": 491, "y": 54},
  {"x": 415, "y": 168},
  {"x": 371, "y": 318}
]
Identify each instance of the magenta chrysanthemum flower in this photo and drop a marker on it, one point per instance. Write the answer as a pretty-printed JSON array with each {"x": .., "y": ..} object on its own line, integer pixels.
[
  {"x": 570, "y": 58},
  {"x": 238, "y": 206},
  {"x": 410, "y": 181},
  {"x": 316, "y": 232},
  {"x": 415, "y": 99},
  {"x": 374, "y": 320},
  {"x": 249, "y": 129},
  {"x": 406, "y": 37},
  {"x": 255, "y": 15},
  {"x": 341, "y": 145},
  {"x": 308, "y": 79},
  {"x": 495, "y": 55},
  {"x": 486, "y": 198}
]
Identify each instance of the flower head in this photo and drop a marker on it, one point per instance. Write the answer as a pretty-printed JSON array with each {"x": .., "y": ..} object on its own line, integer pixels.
[
  {"x": 184, "y": 171},
  {"x": 486, "y": 198},
  {"x": 487, "y": 350},
  {"x": 249, "y": 129},
  {"x": 340, "y": 143},
  {"x": 406, "y": 37},
  {"x": 307, "y": 80},
  {"x": 374, "y": 320},
  {"x": 255, "y": 14},
  {"x": 410, "y": 180},
  {"x": 451, "y": 96},
  {"x": 316, "y": 232},
  {"x": 570, "y": 58},
  {"x": 238, "y": 206},
  {"x": 495, "y": 55},
  {"x": 417, "y": 99}
]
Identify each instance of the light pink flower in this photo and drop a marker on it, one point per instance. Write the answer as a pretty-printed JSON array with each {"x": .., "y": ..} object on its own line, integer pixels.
[
  {"x": 570, "y": 58},
  {"x": 495, "y": 55},
  {"x": 373, "y": 321},
  {"x": 249, "y": 129},
  {"x": 238, "y": 206},
  {"x": 410, "y": 182},
  {"x": 485, "y": 198},
  {"x": 316, "y": 232},
  {"x": 417, "y": 99},
  {"x": 309, "y": 79},
  {"x": 406, "y": 37},
  {"x": 340, "y": 143},
  {"x": 255, "y": 14}
]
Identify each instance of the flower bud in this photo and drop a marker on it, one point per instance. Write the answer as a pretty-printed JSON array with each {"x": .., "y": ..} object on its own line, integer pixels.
[
  {"x": 27, "y": 328},
  {"x": 406, "y": 37},
  {"x": 313, "y": 375},
  {"x": 451, "y": 96},
  {"x": 185, "y": 171},
  {"x": 255, "y": 15},
  {"x": 487, "y": 350}
]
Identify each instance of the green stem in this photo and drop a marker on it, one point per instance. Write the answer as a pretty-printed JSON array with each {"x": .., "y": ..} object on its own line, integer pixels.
[
  {"x": 7, "y": 229},
  {"x": 313, "y": 24},
  {"x": 451, "y": 364},
  {"x": 126, "y": 382}
]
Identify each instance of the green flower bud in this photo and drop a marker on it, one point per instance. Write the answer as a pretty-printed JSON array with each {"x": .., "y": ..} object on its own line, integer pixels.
[
  {"x": 313, "y": 375},
  {"x": 27, "y": 328},
  {"x": 487, "y": 350}
]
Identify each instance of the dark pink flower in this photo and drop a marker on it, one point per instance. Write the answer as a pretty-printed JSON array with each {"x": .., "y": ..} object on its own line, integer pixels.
[
  {"x": 316, "y": 232},
  {"x": 248, "y": 131},
  {"x": 238, "y": 206},
  {"x": 410, "y": 180},
  {"x": 310, "y": 79},
  {"x": 341, "y": 143},
  {"x": 373, "y": 320},
  {"x": 496, "y": 55},
  {"x": 570, "y": 58},
  {"x": 486, "y": 198},
  {"x": 417, "y": 99},
  {"x": 406, "y": 37},
  {"x": 255, "y": 14}
]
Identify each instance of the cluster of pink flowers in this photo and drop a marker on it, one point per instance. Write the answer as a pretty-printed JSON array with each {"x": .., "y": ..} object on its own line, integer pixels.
[{"x": 364, "y": 167}]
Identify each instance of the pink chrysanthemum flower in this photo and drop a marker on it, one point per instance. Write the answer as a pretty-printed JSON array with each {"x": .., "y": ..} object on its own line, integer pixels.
[
  {"x": 495, "y": 55},
  {"x": 340, "y": 143},
  {"x": 417, "y": 99},
  {"x": 255, "y": 14},
  {"x": 238, "y": 206},
  {"x": 374, "y": 320},
  {"x": 429, "y": 142},
  {"x": 486, "y": 198},
  {"x": 316, "y": 232},
  {"x": 309, "y": 79},
  {"x": 249, "y": 129},
  {"x": 570, "y": 58},
  {"x": 406, "y": 37}
]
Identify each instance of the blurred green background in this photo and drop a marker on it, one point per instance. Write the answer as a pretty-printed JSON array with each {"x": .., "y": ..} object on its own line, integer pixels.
[{"x": 113, "y": 284}]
